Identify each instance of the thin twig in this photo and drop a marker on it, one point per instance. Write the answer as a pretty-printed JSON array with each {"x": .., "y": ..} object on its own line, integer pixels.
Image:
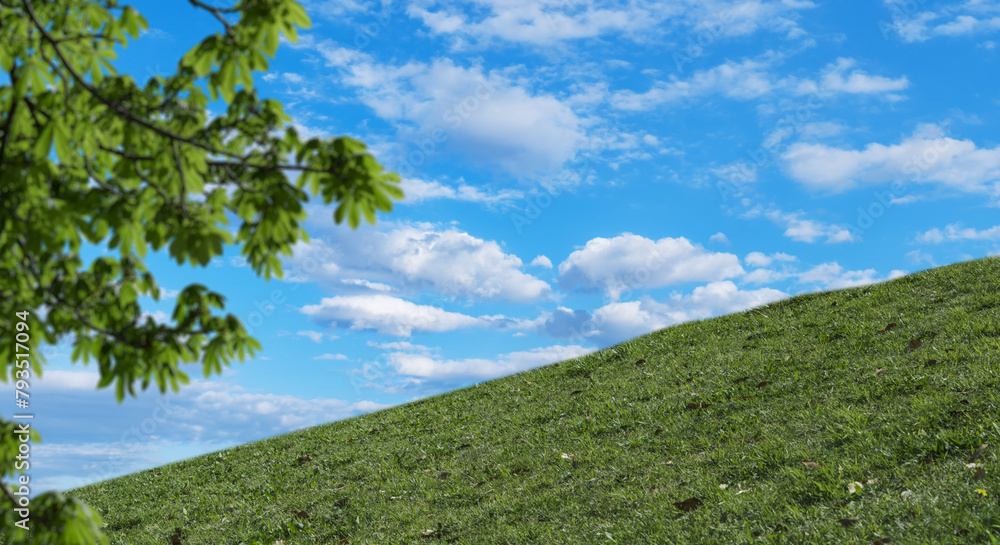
[{"x": 217, "y": 12}]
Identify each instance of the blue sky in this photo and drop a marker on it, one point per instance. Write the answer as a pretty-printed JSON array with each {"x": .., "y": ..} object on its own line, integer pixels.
[{"x": 578, "y": 173}]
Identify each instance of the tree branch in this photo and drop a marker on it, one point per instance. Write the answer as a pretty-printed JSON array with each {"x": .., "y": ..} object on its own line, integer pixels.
[
  {"x": 180, "y": 171},
  {"x": 217, "y": 12},
  {"x": 114, "y": 106}
]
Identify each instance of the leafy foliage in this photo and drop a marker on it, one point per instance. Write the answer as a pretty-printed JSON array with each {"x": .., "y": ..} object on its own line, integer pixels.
[{"x": 89, "y": 155}]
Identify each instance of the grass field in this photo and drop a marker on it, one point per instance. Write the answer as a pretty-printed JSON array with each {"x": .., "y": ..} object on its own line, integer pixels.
[{"x": 865, "y": 415}]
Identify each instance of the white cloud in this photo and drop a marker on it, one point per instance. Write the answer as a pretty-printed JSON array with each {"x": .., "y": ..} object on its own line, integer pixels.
[
  {"x": 397, "y": 317},
  {"x": 331, "y": 357},
  {"x": 918, "y": 256},
  {"x": 417, "y": 190},
  {"x": 158, "y": 316},
  {"x": 427, "y": 367},
  {"x": 720, "y": 237},
  {"x": 934, "y": 236},
  {"x": 955, "y": 231},
  {"x": 168, "y": 293},
  {"x": 820, "y": 129},
  {"x": 399, "y": 345},
  {"x": 835, "y": 79},
  {"x": 314, "y": 336},
  {"x": 337, "y": 9},
  {"x": 538, "y": 22},
  {"x": 387, "y": 315},
  {"x": 764, "y": 276},
  {"x": 152, "y": 430},
  {"x": 630, "y": 261},
  {"x": 760, "y": 275},
  {"x": 549, "y": 22},
  {"x": 541, "y": 261},
  {"x": 800, "y": 229},
  {"x": 757, "y": 259},
  {"x": 374, "y": 286},
  {"x": 731, "y": 19},
  {"x": 755, "y": 78},
  {"x": 927, "y": 156},
  {"x": 53, "y": 379},
  {"x": 739, "y": 80},
  {"x": 619, "y": 321},
  {"x": 485, "y": 117},
  {"x": 832, "y": 276},
  {"x": 416, "y": 257},
  {"x": 949, "y": 19}
]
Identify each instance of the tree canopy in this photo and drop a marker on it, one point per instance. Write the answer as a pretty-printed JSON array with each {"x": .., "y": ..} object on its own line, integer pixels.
[{"x": 88, "y": 155}]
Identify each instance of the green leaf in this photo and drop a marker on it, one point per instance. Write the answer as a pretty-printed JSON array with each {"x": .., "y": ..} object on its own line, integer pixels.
[
  {"x": 368, "y": 210},
  {"x": 126, "y": 294},
  {"x": 297, "y": 15},
  {"x": 63, "y": 149},
  {"x": 227, "y": 79},
  {"x": 353, "y": 217},
  {"x": 43, "y": 144},
  {"x": 38, "y": 73},
  {"x": 394, "y": 191}
]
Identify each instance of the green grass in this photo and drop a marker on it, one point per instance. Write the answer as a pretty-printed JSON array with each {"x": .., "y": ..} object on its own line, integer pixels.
[{"x": 740, "y": 400}]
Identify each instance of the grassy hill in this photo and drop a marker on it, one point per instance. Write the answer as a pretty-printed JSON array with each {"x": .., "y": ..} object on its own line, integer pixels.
[{"x": 851, "y": 416}]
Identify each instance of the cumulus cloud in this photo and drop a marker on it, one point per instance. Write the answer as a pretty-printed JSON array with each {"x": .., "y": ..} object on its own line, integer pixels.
[
  {"x": 835, "y": 79},
  {"x": 955, "y": 231},
  {"x": 806, "y": 230},
  {"x": 739, "y": 80},
  {"x": 757, "y": 259},
  {"x": 918, "y": 256},
  {"x": 53, "y": 379},
  {"x": 398, "y": 317},
  {"x": 550, "y": 22},
  {"x": 720, "y": 237},
  {"x": 374, "y": 286},
  {"x": 487, "y": 118},
  {"x": 386, "y": 314},
  {"x": 426, "y": 367},
  {"x": 944, "y": 19},
  {"x": 620, "y": 321},
  {"x": 535, "y": 22},
  {"x": 832, "y": 276},
  {"x": 755, "y": 78},
  {"x": 331, "y": 357},
  {"x": 314, "y": 336},
  {"x": 541, "y": 261},
  {"x": 418, "y": 257},
  {"x": 927, "y": 156},
  {"x": 629, "y": 261}
]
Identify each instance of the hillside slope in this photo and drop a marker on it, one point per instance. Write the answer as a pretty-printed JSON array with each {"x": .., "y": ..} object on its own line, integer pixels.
[{"x": 852, "y": 416}]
